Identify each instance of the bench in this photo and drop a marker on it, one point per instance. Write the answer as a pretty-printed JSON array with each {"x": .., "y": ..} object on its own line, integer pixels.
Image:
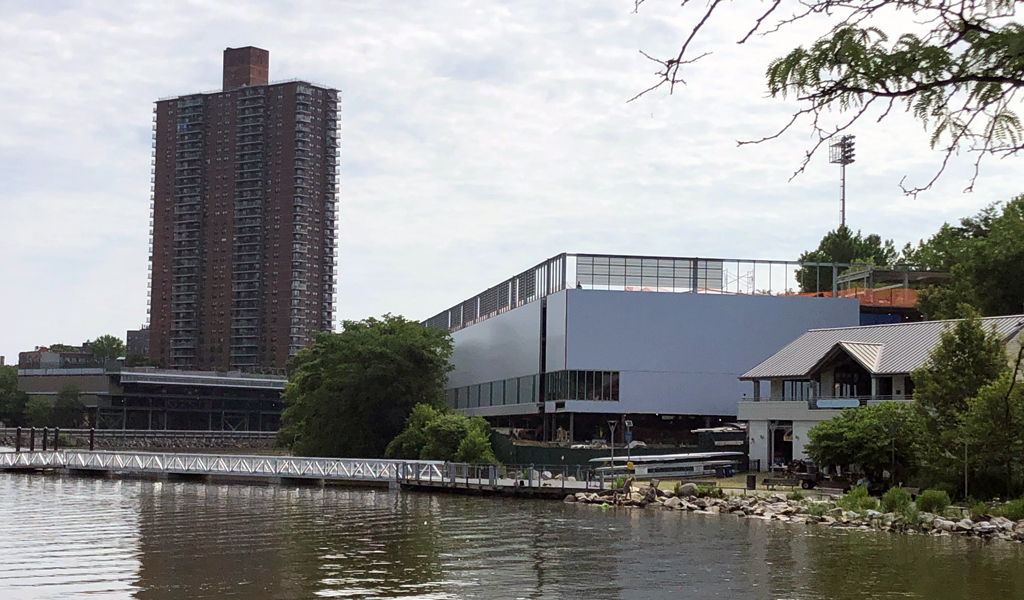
[{"x": 771, "y": 482}]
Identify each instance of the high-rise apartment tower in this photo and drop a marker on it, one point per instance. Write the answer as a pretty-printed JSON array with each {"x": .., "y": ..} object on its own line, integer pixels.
[{"x": 243, "y": 215}]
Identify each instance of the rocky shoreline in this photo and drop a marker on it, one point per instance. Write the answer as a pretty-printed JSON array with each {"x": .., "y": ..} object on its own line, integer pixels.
[{"x": 776, "y": 507}]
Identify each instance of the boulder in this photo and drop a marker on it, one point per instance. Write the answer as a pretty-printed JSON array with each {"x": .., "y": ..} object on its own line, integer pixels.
[
  {"x": 985, "y": 527},
  {"x": 636, "y": 497},
  {"x": 688, "y": 489},
  {"x": 545, "y": 475},
  {"x": 570, "y": 498},
  {"x": 941, "y": 524},
  {"x": 964, "y": 525},
  {"x": 1002, "y": 523},
  {"x": 714, "y": 509},
  {"x": 673, "y": 503}
]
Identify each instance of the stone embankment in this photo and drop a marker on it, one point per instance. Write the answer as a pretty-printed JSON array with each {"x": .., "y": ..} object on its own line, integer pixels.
[{"x": 777, "y": 507}]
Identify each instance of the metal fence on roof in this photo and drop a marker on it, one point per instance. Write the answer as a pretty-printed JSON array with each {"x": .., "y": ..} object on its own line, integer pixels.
[{"x": 628, "y": 273}]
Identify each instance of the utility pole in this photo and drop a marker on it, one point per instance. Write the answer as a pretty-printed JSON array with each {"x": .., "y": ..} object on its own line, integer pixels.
[{"x": 840, "y": 152}]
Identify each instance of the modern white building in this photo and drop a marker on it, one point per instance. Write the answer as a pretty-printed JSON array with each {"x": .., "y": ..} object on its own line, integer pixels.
[
  {"x": 582, "y": 339},
  {"x": 826, "y": 370}
]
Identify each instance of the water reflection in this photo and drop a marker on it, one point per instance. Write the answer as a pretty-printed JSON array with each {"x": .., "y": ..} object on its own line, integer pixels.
[{"x": 159, "y": 541}]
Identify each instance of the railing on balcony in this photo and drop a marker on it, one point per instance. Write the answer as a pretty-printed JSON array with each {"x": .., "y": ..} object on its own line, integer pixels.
[{"x": 833, "y": 402}]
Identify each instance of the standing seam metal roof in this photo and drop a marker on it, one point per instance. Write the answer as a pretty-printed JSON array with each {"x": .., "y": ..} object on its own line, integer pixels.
[{"x": 903, "y": 347}]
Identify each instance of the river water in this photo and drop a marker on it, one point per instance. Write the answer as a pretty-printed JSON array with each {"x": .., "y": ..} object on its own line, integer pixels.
[{"x": 67, "y": 537}]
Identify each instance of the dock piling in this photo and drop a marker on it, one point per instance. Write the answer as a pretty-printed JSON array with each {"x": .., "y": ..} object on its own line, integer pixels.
[
  {"x": 17, "y": 440},
  {"x": 46, "y": 433},
  {"x": 32, "y": 439}
]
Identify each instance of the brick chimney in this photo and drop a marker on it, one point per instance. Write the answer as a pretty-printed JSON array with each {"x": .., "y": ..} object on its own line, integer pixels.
[{"x": 245, "y": 66}]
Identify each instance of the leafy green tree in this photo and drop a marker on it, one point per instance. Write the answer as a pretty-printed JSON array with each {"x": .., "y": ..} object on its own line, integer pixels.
[
  {"x": 984, "y": 255},
  {"x": 876, "y": 437},
  {"x": 61, "y": 348},
  {"x": 38, "y": 412},
  {"x": 958, "y": 70},
  {"x": 68, "y": 410},
  {"x": 993, "y": 427},
  {"x": 12, "y": 400},
  {"x": 966, "y": 359},
  {"x": 107, "y": 347},
  {"x": 843, "y": 246},
  {"x": 409, "y": 444},
  {"x": 437, "y": 434},
  {"x": 350, "y": 393}
]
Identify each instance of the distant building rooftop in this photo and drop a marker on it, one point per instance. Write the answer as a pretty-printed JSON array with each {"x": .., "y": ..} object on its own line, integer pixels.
[{"x": 632, "y": 273}]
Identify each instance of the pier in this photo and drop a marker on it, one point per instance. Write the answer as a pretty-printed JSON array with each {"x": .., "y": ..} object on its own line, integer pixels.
[{"x": 436, "y": 476}]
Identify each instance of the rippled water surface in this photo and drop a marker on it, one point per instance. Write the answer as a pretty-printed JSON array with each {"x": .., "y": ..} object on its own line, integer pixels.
[{"x": 65, "y": 537}]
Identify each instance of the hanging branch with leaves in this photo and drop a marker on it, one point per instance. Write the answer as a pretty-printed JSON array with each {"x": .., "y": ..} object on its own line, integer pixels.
[{"x": 960, "y": 78}]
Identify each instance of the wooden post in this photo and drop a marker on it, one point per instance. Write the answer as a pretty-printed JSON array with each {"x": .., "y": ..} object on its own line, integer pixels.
[
  {"x": 32, "y": 439},
  {"x": 92, "y": 439},
  {"x": 17, "y": 440},
  {"x": 56, "y": 438},
  {"x": 46, "y": 432}
]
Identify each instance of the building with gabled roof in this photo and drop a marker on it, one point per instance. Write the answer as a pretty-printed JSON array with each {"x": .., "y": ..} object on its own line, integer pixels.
[{"x": 825, "y": 370}]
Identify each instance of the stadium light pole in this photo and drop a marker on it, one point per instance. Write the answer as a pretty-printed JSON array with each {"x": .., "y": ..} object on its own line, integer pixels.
[{"x": 840, "y": 152}]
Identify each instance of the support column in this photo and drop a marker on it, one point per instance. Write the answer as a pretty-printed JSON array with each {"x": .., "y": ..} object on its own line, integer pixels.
[
  {"x": 757, "y": 390},
  {"x": 874, "y": 388},
  {"x": 572, "y": 427}
]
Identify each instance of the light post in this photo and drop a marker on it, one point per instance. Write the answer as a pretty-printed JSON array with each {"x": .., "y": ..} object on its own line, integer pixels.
[
  {"x": 629, "y": 438},
  {"x": 611, "y": 425}
]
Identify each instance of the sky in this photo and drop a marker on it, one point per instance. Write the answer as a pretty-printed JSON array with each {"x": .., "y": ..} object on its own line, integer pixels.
[{"x": 478, "y": 139}]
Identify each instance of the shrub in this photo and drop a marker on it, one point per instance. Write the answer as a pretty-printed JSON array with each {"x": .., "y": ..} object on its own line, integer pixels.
[
  {"x": 857, "y": 500},
  {"x": 933, "y": 501},
  {"x": 1013, "y": 510},
  {"x": 980, "y": 511},
  {"x": 818, "y": 509},
  {"x": 911, "y": 516},
  {"x": 895, "y": 499},
  {"x": 795, "y": 495},
  {"x": 619, "y": 482},
  {"x": 710, "y": 491}
]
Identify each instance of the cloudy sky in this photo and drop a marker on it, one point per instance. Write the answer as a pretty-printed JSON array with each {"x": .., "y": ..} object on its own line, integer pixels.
[{"x": 479, "y": 138}]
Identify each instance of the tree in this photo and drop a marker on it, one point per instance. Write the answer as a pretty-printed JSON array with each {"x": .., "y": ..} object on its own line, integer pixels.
[
  {"x": 68, "y": 410},
  {"x": 959, "y": 76},
  {"x": 12, "y": 400},
  {"x": 993, "y": 428},
  {"x": 438, "y": 434},
  {"x": 62, "y": 348},
  {"x": 966, "y": 359},
  {"x": 350, "y": 393},
  {"x": 843, "y": 246},
  {"x": 984, "y": 255},
  {"x": 107, "y": 347},
  {"x": 877, "y": 437},
  {"x": 38, "y": 412}
]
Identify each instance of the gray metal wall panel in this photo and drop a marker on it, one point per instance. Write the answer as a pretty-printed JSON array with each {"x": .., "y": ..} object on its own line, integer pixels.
[
  {"x": 504, "y": 346},
  {"x": 683, "y": 353},
  {"x": 555, "y": 356}
]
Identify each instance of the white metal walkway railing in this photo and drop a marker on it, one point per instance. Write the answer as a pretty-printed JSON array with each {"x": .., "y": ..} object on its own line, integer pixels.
[{"x": 332, "y": 469}]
